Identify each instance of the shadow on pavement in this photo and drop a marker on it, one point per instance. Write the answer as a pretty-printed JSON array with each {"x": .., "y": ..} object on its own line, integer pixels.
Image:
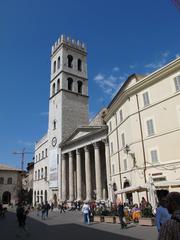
[{"x": 38, "y": 230}]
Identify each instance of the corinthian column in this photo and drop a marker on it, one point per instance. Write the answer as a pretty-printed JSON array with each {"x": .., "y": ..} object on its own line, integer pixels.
[
  {"x": 98, "y": 172},
  {"x": 87, "y": 173},
  {"x": 71, "y": 178},
  {"x": 79, "y": 177},
  {"x": 107, "y": 166},
  {"x": 63, "y": 177}
]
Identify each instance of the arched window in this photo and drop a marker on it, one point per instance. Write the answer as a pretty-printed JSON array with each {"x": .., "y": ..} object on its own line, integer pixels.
[
  {"x": 70, "y": 60},
  {"x": 58, "y": 62},
  {"x": 53, "y": 88},
  {"x": 79, "y": 65},
  {"x": 54, "y": 124},
  {"x": 70, "y": 84},
  {"x": 9, "y": 181},
  {"x": 79, "y": 86},
  {"x": 58, "y": 84},
  {"x": 1, "y": 180},
  {"x": 54, "y": 67},
  {"x": 42, "y": 173}
]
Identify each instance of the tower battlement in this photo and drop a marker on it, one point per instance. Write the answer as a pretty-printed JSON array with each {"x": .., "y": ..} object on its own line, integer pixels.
[{"x": 71, "y": 42}]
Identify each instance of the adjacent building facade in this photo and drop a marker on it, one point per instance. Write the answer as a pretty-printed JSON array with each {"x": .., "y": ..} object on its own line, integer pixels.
[
  {"x": 10, "y": 184},
  {"x": 144, "y": 132},
  {"x": 135, "y": 138}
]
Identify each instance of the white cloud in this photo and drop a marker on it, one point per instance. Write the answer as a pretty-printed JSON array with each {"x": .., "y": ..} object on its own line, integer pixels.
[
  {"x": 110, "y": 83},
  {"x": 99, "y": 77},
  {"x": 158, "y": 63},
  {"x": 116, "y": 69},
  {"x": 132, "y": 66}
]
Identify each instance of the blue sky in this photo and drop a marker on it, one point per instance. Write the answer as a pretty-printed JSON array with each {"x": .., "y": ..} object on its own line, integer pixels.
[{"x": 122, "y": 37}]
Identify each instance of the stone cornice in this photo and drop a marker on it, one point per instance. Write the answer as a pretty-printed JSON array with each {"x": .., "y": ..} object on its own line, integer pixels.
[{"x": 140, "y": 85}]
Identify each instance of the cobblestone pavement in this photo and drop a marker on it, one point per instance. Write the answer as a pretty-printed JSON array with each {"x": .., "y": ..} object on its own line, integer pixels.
[{"x": 68, "y": 226}]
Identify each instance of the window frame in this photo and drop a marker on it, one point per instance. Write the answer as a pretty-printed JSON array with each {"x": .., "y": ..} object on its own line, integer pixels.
[{"x": 149, "y": 134}]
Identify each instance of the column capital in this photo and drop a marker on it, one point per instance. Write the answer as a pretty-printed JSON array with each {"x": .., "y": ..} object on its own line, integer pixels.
[
  {"x": 86, "y": 148},
  {"x": 63, "y": 156},
  {"x": 96, "y": 145},
  {"x": 78, "y": 152},
  {"x": 70, "y": 154},
  {"x": 106, "y": 141}
]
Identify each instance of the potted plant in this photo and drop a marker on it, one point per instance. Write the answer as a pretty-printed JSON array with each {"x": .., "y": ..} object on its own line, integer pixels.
[
  {"x": 98, "y": 215},
  {"x": 147, "y": 218}
]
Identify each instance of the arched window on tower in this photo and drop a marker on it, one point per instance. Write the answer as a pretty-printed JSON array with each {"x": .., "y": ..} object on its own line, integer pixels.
[
  {"x": 70, "y": 60},
  {"x": 70, "y": 84},
  {"x": 54, "y": 67},
  {"x": 58, "y": 84},
  {"x": 79, "y": 65},
  {"x": 58, "y": 62},
  {"x": 54, "y": 124},
  {"x": 79, "y": 86},
  {"x": 53, "y": 88}
]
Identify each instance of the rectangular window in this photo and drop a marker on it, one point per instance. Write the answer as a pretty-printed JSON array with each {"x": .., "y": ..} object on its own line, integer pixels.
[
  {"x": 123, "y": 140},
  {"x": 39, "y": 156},
  {"x": 46, "y": 152},
  {"x": 110, "y": 127},
  {"x": 42, "y": 173},
  {"x": 154, "y": 156},
  {"x": 42, "y": 154},
  {"x": 35, "y": 175},
  {"x": 112, "y": 150},
  {"x": 121, "y": 115},
  {"x": 125, "y": 164},
  {"x": 45, "y": 173},
  {"x": 150, "y": 127},
  {"x": 38, "y": 174},
  {"x": 146, "y": 99},
  {"x": 177, "y": 83}
]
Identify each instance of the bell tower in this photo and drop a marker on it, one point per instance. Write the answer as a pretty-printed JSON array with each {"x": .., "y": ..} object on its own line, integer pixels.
[{"x": 68, "y": 101}]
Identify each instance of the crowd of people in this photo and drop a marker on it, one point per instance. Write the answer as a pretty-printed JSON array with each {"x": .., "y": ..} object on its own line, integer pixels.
[{"x": 167, "y": 213}]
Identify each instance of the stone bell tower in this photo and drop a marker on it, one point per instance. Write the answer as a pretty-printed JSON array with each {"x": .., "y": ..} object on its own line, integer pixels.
[{"x": 68, "y": 101}]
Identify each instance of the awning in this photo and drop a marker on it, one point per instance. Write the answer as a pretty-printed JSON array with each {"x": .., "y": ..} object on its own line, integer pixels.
[{"x": 132, "y": 189}]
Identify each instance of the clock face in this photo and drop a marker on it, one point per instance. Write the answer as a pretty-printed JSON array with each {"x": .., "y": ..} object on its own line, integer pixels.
[{"x": 54, "y": 141}]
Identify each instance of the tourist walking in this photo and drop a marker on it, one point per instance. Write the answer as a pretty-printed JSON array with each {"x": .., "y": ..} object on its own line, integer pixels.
[
  {"x": 43, "y": 212},
  {"x": 86, "y": 211},
  {"x": 120, "y": 210},
  {"x": 162, "y": 214},
  {"x": 21, "y": 214},
  {"x": 62, "y": 207},
  {"x": 47, "y": 207},
  {"x": 170, "y": 230}
]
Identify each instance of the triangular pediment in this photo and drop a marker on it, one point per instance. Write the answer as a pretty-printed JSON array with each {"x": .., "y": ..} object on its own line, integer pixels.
[{"x": 82, "y": 132}]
